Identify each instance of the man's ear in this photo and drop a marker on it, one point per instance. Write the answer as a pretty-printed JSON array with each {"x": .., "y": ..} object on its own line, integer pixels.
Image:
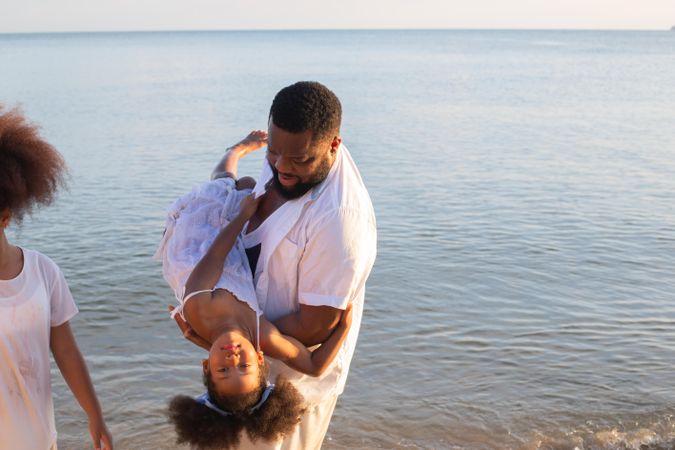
[
  {"x": 335, "y": 144},
  {"x": 205, "y": 366},
  {"x": 261, "y": 358}
]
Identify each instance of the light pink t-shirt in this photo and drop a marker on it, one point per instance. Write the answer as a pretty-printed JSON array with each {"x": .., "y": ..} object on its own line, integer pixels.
[{"x": 30, "y": 304}]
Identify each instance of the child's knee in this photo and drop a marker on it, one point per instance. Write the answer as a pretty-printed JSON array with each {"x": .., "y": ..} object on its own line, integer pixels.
[{"x": 245, "y": 183}]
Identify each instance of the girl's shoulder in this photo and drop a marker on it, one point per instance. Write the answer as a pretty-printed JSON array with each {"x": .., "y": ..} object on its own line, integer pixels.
[{"x": 37, "y": 264}]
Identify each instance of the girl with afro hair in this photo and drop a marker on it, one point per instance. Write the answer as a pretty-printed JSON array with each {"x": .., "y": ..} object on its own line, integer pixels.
[
  {"x": 204, "y": 261},
  {"x": 35, "y": 302}
]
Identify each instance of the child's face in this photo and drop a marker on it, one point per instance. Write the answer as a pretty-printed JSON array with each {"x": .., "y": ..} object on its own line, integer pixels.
[{"x": 234, "y": 364}]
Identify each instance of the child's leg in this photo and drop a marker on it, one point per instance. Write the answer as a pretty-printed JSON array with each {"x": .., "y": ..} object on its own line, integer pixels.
[
  {"x": 227, "y": 167},
  {"x": 245, "y": 183}
]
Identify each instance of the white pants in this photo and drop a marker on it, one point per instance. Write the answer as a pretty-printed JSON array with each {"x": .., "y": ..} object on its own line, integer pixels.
[{"x": 308, "y": 435}]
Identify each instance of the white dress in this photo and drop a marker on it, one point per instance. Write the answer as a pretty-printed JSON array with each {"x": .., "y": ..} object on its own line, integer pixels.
[{"x": 193, "y": 222}]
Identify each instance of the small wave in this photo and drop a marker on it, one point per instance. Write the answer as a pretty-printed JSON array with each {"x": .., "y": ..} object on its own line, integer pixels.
[{"x": 659, "y": 434}]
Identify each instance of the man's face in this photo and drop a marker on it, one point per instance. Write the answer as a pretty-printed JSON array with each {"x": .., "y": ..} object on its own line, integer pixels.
[{"x": 297, "y": 163}]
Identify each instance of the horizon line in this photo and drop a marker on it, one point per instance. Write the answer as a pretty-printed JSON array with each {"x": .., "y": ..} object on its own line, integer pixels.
[{"x": 252, "y": 30}]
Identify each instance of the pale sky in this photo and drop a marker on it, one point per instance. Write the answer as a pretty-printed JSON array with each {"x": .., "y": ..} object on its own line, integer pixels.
[{"x": 126, "y": 15}]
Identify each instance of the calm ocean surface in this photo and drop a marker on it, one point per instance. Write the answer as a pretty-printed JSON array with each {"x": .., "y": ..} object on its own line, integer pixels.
[{"x": 524, "y": 185}]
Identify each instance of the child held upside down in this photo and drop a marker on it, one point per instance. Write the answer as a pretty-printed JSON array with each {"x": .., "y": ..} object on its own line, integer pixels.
[{"x": 204, "y": 261}]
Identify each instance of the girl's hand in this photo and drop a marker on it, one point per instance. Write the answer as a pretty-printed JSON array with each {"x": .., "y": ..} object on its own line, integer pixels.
[
  {"x": 100, "y": 434},
  {"x": 248, "y": 206}
]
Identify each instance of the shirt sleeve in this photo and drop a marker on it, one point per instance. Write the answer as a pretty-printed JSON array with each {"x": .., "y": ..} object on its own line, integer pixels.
[
  {"x": 63, "y": 306},
  {"x": 337, "y": 259}
]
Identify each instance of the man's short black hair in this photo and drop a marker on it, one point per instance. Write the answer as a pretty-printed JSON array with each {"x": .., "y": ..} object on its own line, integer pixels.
[{"x": 307, "y": 105}]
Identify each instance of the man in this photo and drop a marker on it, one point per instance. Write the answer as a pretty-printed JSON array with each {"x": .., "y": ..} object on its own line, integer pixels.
[{"x": 311, "y": 244}]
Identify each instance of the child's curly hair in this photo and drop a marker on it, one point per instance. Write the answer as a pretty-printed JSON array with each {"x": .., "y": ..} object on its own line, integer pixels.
[
  {"x": 31, "y": 170},
  {"x": 203, "y": 428}
]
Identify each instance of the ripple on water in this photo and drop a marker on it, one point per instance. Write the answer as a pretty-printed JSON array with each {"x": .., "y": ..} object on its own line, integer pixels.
[{"x": 522, "y": 295}]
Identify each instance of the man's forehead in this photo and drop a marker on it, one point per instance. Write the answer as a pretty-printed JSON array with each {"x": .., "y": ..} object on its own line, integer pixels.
[{"x": 292, "y": 144}]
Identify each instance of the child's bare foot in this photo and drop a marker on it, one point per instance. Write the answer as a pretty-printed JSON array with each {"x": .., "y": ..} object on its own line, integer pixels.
[{"x": 255, "y": 140}]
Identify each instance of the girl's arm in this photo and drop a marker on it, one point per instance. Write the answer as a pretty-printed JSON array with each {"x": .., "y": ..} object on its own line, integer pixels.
[
  {"x": 227, "y": 167},
  {"x": 74, "y": 370},
  {"x": 209, "y": 269},
  {"x": 296, "y": 355}
]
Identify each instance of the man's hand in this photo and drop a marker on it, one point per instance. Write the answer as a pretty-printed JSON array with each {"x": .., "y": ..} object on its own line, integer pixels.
[
  {"x": 346, "y": 319},
  {"x": 189, "y": 333}
]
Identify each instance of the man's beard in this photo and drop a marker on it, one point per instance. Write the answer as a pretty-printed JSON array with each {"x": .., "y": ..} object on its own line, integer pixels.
[{"x": 300, "y": 188}]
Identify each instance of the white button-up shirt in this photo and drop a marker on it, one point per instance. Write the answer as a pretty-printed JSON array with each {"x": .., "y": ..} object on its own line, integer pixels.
[{"x": 319, "y": 250}]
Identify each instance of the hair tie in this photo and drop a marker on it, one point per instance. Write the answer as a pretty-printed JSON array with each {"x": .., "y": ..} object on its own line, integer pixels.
[{"x": 205, "y": 400}]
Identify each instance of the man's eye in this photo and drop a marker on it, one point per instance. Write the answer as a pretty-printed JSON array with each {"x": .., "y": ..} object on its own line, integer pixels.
[{"x": 224, "y": 369}]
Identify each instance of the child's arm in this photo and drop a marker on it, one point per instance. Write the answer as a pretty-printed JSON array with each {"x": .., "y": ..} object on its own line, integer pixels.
[
  {"x": 209, "y": 269},
  {"x": 296, "y": 355},
  {"x": 74, "y": 370},
  {"x": 227, "y": 167}
]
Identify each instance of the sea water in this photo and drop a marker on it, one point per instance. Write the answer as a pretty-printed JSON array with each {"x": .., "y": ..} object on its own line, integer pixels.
[{"x": 524, "y": 186}]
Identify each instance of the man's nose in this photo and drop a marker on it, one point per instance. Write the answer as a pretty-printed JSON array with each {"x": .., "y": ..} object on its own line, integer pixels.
[{"x": 282, "y": 164}]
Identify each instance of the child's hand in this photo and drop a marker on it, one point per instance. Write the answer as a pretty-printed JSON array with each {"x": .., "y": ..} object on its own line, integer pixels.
[
  {"x": 100, "y": 434},
  {"x": 248, "y": 206},
  {"x": 346, "y": 319}
]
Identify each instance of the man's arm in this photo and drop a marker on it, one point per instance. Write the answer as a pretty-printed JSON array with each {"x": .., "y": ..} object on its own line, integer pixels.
[
  {"x": 227, "y": 167},
  {"x": 311, "y": 325},
  {"x": 294, "y": 354},
  {"x": 335, "y": 263}
]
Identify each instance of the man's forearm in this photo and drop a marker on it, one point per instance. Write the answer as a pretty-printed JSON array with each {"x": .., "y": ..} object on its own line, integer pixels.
[{"x": 311, "y": 325}]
